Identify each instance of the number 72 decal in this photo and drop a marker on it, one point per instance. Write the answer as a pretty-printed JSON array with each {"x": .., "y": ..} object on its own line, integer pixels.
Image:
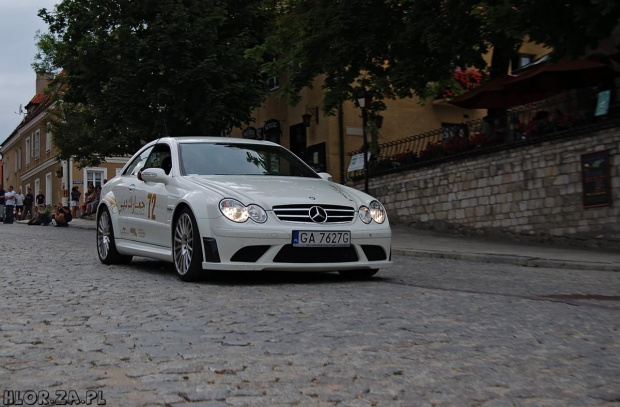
[{"x": 151, "y": 209}]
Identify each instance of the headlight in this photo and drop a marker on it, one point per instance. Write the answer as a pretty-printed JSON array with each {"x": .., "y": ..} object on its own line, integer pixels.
[
  {"x": 375, "y": 212},
  {"x": 237, "y": 212},
  {"x": 365, "y": 214},
  {"x": 257, "y": 214}
]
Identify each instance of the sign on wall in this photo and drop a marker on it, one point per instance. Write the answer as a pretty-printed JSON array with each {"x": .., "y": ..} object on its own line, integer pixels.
[
  {"x": 595, "y": 178},
  {"x": 357, "y": 162}
]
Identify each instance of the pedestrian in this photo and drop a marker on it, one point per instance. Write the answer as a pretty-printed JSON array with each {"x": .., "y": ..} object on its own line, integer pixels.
[
  {"x": 9, "y": 205},
  {"x": 40, "y": 199},
  {"x": 89, "y": 196},
  {"x": 28, "y": 201},
  {"x": 42, "y": 218},
  {"x": 62, "y": 216},
  {"x": 46, "y": 215},
  {"x": 2, "y": 192},
  {"x": 75, "y": 201},
  {"x": 19, "y": 204},
  {"x": 37, "y": 217},
  {"x": 91, "y": 208}
]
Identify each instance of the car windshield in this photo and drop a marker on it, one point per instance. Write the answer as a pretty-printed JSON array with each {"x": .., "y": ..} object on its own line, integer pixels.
[{"x": 240, "y": 159}]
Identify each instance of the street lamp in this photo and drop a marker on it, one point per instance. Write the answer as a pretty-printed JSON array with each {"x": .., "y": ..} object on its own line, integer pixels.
[
  {"x": 364, "y": 102},
  {"x": 310, "y": 113}
]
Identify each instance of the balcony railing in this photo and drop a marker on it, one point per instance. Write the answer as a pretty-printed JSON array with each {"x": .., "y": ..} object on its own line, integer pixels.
[{"x": 562, "y": 116}]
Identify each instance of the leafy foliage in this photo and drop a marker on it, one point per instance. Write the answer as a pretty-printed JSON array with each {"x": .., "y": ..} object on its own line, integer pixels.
[
  {"x": 461, "y": 82},
  {"x": 395, "y": 48},
  {"x": 566, "y": 26},
  {"x": 135, "y": 70}
]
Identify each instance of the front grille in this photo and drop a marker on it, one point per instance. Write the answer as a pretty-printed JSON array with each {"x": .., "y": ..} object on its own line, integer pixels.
[
  {"x": 292, "y": 254},
  {"x": 301, "y": 213}
]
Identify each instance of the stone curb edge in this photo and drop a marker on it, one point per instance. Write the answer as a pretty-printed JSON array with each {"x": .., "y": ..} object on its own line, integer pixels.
[
  {"x": 508, "y": 259},
  {"x": 524, "y": 261}
]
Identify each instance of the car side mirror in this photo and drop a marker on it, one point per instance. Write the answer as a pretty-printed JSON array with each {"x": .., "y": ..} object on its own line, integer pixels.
[
  {"x": 326, "y": 176},
  {"x": 154, "y": 175}
]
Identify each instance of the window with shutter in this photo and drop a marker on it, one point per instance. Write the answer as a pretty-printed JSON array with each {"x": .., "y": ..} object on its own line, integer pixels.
[
  {"x": 28, "y": 152},
  {"x": 36, "y": 144},
  {"x": 48, "y": 139}
]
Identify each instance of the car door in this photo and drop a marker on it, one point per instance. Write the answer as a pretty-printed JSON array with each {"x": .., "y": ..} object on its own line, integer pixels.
[
  {"x": 128, "y": 195},
  {"x": 152, "y": 217}
]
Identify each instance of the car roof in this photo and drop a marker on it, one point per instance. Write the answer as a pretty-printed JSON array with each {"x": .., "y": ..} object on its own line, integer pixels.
[{"x": 228, "y": 140}]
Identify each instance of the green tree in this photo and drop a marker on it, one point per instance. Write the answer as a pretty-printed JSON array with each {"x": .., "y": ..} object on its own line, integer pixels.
[
  {"x": 567, "y": 26},
  {"x": 395, "y": 48},
  {"x": 131, "y": 71}
]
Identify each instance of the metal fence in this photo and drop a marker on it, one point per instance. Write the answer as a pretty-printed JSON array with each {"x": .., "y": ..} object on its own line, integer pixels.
[{"x": 556, "y": 117}]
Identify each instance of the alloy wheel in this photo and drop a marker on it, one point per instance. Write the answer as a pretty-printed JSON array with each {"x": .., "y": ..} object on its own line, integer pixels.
[
  {"x": 103, "y": 232},
  {"x": 183, "y": 244}
]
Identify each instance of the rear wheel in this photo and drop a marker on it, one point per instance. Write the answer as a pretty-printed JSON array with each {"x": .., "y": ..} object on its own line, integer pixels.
[
  {"x": 186, "y": 247},
  {"x": 106, "y": 247},
  {"x": 358, "y": 274}
]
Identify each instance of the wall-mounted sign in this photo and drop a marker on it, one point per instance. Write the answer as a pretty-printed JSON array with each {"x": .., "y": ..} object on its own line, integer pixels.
[
  {"x": 596, "y": 185},
  {"x": 272, "y": 130},
  {"x": 272, "y": 125},
  {"x": 78, "y": 182},
  {"x": 357, "y": 162},
  {"x": 602, "y": 103},
  {"x": 249, "y": 132}
]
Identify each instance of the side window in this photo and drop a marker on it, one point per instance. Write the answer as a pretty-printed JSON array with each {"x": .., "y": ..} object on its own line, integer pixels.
[
  {"x": 160, "y": 158},
  {"x": 137, "y": 164}
]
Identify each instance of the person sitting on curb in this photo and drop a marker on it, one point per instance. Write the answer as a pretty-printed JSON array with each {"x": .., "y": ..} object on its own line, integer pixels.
[
  {"x": 40, "y": 218},
  {"x": 47, "y": 215},
  {"x": 34, "y": 220},
  {"x": 62, "y": 216},
  {"x": 90, "y": 196},
  {"x": 91, "y": 208}
]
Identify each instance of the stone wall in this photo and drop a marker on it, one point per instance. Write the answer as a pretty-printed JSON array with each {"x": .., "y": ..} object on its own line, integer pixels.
[{"x": 531, "y": 193}]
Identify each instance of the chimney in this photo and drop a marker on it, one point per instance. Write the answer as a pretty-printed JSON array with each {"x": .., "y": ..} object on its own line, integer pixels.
[{"x": 43, "y": 79}]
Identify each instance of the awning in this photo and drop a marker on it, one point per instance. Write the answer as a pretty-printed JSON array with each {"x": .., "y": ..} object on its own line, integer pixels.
[{"x": 539, "y": 82}]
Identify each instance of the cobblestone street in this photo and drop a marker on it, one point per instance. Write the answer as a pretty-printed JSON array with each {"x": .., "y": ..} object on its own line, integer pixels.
[{"x": 427, "y": 332}]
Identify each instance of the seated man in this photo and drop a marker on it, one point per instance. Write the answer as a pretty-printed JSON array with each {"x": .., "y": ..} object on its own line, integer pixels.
[
  {"x": 62, "y": 216},
  {"x": 91, "y": 207},
  {"x": 40, "y": 217},
  {"x": 36, "y": 217}
]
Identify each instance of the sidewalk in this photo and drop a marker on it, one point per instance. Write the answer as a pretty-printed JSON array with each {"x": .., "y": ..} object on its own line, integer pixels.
[{"x": 407, "y": 241}]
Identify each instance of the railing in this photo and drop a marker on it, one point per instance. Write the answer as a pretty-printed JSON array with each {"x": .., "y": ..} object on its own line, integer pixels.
[{"x": 557, "y": 117}]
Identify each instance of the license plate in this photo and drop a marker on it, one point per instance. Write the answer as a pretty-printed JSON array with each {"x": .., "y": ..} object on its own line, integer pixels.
[{"x": 303, "y": 238}]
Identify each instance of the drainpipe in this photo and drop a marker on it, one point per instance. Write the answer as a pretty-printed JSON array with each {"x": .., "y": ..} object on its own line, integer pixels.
[
  {"x": 64, "y": 198},
  {"x": 341, "y": 143}
]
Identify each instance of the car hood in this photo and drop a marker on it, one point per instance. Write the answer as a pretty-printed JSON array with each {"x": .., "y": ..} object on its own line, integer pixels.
[{"x": 268, "y": 191}]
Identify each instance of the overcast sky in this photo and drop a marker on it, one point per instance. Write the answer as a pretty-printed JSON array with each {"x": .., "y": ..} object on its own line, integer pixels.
[{"x": 18, "y": 26}]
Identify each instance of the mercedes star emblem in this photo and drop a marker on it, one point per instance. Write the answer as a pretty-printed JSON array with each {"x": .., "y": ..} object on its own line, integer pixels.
[{"x": 317, "y": 214}]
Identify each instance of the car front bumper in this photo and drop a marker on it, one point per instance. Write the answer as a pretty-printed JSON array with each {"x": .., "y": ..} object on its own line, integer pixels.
[{"x": 272, "y": 249}]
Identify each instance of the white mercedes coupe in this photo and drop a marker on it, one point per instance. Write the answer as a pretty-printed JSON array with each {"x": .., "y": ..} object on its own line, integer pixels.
[{"x": 233, "y": 204}]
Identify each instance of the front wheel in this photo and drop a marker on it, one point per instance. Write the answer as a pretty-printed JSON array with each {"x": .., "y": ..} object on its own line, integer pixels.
[
  {"x": 186, "y": 247},
  {"x": 358, "y": 274},
  {"x": 106, "y": 247}
]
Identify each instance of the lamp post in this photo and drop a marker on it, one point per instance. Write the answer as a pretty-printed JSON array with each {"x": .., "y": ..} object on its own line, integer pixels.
[{"x": 363, "y": 102}]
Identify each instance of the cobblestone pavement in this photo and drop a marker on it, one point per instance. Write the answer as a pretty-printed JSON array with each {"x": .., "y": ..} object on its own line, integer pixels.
[{"x": 428, "y": 332}]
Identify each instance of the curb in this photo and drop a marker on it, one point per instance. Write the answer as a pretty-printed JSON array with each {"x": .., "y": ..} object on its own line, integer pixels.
[
  {"x": 74, "y": 225},
  {"x": 508, "y": 259},
  {"x": 524, "y": 261}
]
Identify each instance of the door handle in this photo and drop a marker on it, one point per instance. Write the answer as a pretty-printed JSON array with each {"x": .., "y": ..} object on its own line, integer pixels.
[{"x": 132, "y": 187}]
